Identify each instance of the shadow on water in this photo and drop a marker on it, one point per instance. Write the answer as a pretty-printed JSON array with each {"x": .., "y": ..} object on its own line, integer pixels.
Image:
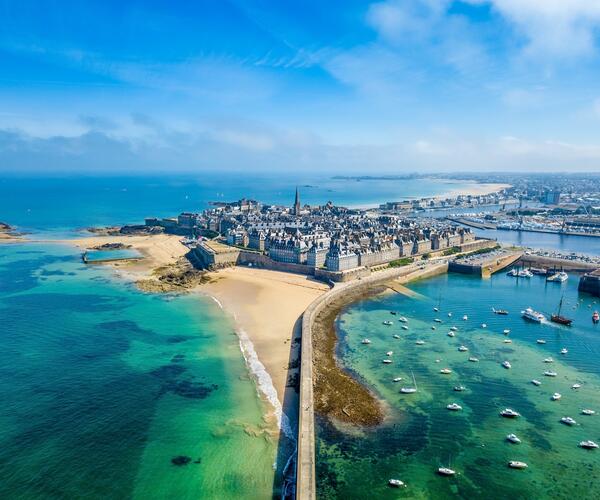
[{"x": 284, "y": 483}]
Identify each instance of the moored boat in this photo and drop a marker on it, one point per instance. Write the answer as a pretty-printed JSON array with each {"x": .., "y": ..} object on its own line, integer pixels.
[
  {"x": 473, "y": 359},
  {"x": 502, "y": 312},
  {"x": 446, "y": 471},
  {"x": 506, "y": 365},
  {"x": 459, "y": 388},
  {"x": 564, "y": 350},
  {"x": 589, "y": 445},
  {"x": 420, "y": 342},
  {"x": 559, "y": 277},
  {"x": 587, "y": 411},
  {"x": 540, "y": 341},
  {"x": 568, "y": 421},
  {"x": 513, "y": 438},
  {"x": 463, "y": 348},
  {"x": 454, "y": 407},
  {"x": 445, "y": 371},
  {"x": 365, "y": 341},
  {"x": 515, "y": 464},
  {"x": 556, "y": 396},
  {"x": 549, "y": 373},
  {"x": 396, "y": 483},
  {"x": 387, "y": 361},
  {"x": 509, "y": 413},
  {"x": 450, "y": 334},
  {"x": 388, "y": 323},
  {"x": 536, "y": 382}
]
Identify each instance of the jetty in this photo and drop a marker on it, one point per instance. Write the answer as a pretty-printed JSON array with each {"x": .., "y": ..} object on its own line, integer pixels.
[
  {"x": 484, "y": 265},
  {"x": 590, "y": 283}
]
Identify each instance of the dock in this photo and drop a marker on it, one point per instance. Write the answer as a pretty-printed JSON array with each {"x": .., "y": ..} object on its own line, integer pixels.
[{"x": 486, "y": 264}]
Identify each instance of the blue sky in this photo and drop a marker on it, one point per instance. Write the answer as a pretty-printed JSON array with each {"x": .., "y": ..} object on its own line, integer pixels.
[{"x": 341, "y": 86}]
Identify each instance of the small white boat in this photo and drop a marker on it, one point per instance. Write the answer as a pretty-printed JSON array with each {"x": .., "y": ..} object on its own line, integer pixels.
[
  {"x": 365, "y": 341},
  {"x": 449, "y": 315},
  {"x": 564, "y": 350},
  {"x": 512, "y": 273},
  {"x": 454, "y": 407},
  {"x": 483, "y": 325},
  {"x": 436, "y": 309},
  {"x": 446, "y": 471},
  {"x": 568, "y": 421},
  {"x": 445, "y": 371},
  {"x": 549, "y": 373},
  {"x": 420, "y": 342},
  {"x": 463, "y": 348},
  {"x": 588, "y": 445},
  {"x": 536, "y": 382},
  {"x": 506, "y": 331},
  {"x": 506, "y": 365},
  {"x": 433, "y": 327},
  {"x": 404, "y": 327},
  {"x": 525, "y": 273},
  {"x": 515, "y": 464},
  {"x": 397, "y": 379},
  {"x": 459, "y": 388},
  {"x": 437, "y": 320},
  {"x": 576, "y": 386},
  {"x": 560, "y": 277},
  {"x": 450, "y": 334},
  {"x": 402, "y": 319},
  {"x": 540, "y": 341},
  {"x": 389, "y": 353},
  {"x": 556, "y": 396},
  {"x": 473, "y": 359},
  {"x": 588, "y": 412},
  {"x": 408, "y": 390},
  {"x": 548, "y": 360},
  {"x": 513, "y": 438},
  {"x": 388, "y": 323},
  {"x": 509, "y": 413},
  {"x": 507, "y": 341},
  {"x": 396, "y": 483},
  {"x": 453, "y": 328},
  {"x": 465, "y": 317},
  {"x": 396, "y": 336},
  {"x": 387, "y": 361}
]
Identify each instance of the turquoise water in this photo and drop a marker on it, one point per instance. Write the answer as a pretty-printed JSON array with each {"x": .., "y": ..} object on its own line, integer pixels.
[
  {"x": 422, "y": 435},
  {"x": 104, "y": 255},
  {"x": 103, "y": 386}
]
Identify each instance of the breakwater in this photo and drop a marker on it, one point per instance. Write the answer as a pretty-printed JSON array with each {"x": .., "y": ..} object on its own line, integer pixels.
[{"x": 305, "y": 474}]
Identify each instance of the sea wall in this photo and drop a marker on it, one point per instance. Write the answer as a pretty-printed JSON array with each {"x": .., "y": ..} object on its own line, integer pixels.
[
  {"x": 552, "y": 263},
  {"x": 590, "y": 283},
  {"x": 305, "y": 473}
]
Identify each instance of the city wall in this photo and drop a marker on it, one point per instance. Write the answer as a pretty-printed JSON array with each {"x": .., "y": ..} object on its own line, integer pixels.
[{"x": 552, "y": 263}]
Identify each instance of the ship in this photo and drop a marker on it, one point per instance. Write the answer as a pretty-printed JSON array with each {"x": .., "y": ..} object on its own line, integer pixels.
[
  {"x": 561, "y": 320},
  {"x": 532, "y": 315},
  {"x": 502, "y": 312}
]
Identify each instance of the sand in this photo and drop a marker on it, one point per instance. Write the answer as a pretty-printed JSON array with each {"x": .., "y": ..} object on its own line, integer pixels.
[{"x": 474, "y": 189}]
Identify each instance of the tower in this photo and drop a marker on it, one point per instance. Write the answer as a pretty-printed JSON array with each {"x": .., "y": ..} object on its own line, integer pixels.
[{"x": 297, "y": 203}]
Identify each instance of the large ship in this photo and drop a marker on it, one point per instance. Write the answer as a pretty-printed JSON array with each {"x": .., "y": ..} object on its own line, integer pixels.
[
  {"x": 561, "y": 320},
  {"x": 532, "y": 315}
]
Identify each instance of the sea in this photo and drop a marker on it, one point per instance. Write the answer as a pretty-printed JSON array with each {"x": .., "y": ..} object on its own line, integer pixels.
[
  {"x": 421, "y": 434},
  {"x": 108, "y": 392}
]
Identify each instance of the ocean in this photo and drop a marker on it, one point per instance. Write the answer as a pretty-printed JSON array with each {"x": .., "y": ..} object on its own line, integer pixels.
[{"x": 422, "y": 435}]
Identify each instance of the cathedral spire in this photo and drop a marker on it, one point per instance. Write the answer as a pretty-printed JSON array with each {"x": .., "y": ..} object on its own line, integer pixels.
[{"x": 297, "y": 203}]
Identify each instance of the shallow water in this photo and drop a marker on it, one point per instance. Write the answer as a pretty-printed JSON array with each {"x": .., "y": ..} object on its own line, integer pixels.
[
  {"x": 422, "y": 434},
  {"x": 103, "y": 386}
]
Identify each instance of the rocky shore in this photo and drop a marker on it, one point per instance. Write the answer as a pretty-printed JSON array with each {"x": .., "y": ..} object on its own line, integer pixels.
[{"x": 180, "y": 276}]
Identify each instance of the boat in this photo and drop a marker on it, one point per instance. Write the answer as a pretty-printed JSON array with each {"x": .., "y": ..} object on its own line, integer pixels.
[
  {"x": 449, "y": 315},
  {"x": 365, "y": 341},
  {"x": 387, "y": 361},
  {"x": 396, "y": 483},
  {"x": 513, "y": 273},
  {"x": 548, "y": 360},
  {"x": 536, "y": 382},
  {"x": 549, "y": 373},
  {"x": 402, "y": 319},
  {"x": 525, "y": 273},
  {"x": 450, "y": 334},
  {"x": 420, "y": 342},
  {"x": 509, "y": 413},
  {"x": 515, "y": 464},
  {"x": 587, "y": 411},
  {"x": 559, "y": 277},
  {"x": 595, "y": 318},
  {"x": 445, "y": 371},
  {"x": 454, "y": 407},
  {"x": 473, "y": 359},
  {"x": 437, "y": 320},
  {"x": 410, "y": 390},
  {"x": 433, "y": 327},
  {"x": 397, "y": 379},
  {"x": 436, "y": 309},
  {"x": 506, "y": 365},
  {"x": 568, "y": 421},
  {"x": 459, "y": 388},
  {"x": 393, "y": 313},
  {"x": 588, "y": 445},
  {"x": 513, "y": 438},
  {"x": 507, "y": 341},
  {"x": 556, "y": 396},
  {"x": 389, "y": 353},
  {"x": 483, "y": 325},
  {"x": 532, "y": 315},
  {"x": 539, "y": 271},
  {"x": 388, "y": 323},
  {"x": 465, "y": 317},
  {"x": 453, "y": 328},
  {"x": 404, "y": 327},
  {"x": 396, "y": 336},
  {"x": 502, "y": 312},
  {"x": 446, "y": 471},
  {"x": 575, "y": 386},
  {"x": 463, "y": 348},
  {"x": 557, "y": 318},
  {"x": 506, "y": 331},
  {"x": 564, "y": 350},
  {"x": 540, "y": 341}
]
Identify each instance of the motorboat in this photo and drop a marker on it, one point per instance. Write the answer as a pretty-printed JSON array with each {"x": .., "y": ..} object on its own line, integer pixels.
[
  {"x": 507, "y": 341},
  {"x": 437, "y": 320},
  {"x": 433, "y": 327},
  {"x": 595, "y": 318},
  {"x": 473, "y": 359},
  {"x": 559, "y": 277},
  {"x": 525, "y": 273},
  {"x": 445, "y": 371},
  {"x": 404, "y": 327},
  {"x": 387, "y": 361},
  {"x": 463, "y": 348},
  {"x": 506, "y": 331},
  {"x": 420, "y": 342},
  {"x": 449, "y": 315},
  {"x": 532, "y": 315},
  {"x": 453, "y": 328},
  {"x": 540, "y": 341},
  {"x": 548, "y": 360},
  {"x": 568, "y": 421},
  {"x": 397, "y": 379},
  {"x": 556, "y": 396},
  {"x": 389, "y": 353},
  {"x": 513, "y": 438},
  {"x": 483, "y": 325},
  {"x": 402, "y": 319},
  {"x": 454, "y": 407},
  {"x": 396, "y": 336},
  {"x": 502, "y": 312},
  {"x": 564, "y": 350},
  {"x": 465, "y": 317},
  {"x": 459, "y": 388},
  {"x": 446, "y": 471},
  {"x": 549, "y": 373},
  {"x": 587, "y": 411},
  {"x": 506, "y": 365},
  {"x": 588, "y": 445},
  {"x": 513, "y": 273},
  {"x": 509, "y": 413},
  {"x": 396, "y": 483},
  {"x": 365, "y": 341},
  {"x": 536, "y": 382},
  {"x": 388, "y": 323},
  {"x": 436, "y": 309},
  {"x": 515, "y": 464},
  {"x": 450, "y": 334},
  {"x": 576, "y": 386}
]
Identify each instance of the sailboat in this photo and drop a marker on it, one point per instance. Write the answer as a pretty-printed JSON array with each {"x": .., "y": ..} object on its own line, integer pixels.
[
  {"x": 557, "y": 318},
  {"x": 410, "y": 390}
]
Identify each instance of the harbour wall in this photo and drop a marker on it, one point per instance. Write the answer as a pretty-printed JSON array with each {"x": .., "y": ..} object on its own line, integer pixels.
[
  {"x": 590, "y": 283},
  {"x": 306, "y": 460},
  {"x": 484, "y": 267},
  {"x": 552, "y": 263}
]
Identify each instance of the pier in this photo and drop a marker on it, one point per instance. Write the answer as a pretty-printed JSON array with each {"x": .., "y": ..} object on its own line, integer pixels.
[{"x": 486, "y": 264}]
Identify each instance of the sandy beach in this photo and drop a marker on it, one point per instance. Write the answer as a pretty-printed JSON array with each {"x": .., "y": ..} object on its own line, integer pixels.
[{"x": 473, "y": 189}]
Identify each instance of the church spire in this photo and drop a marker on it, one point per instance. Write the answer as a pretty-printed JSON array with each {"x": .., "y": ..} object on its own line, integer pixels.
[{"x": 297, "y": 203}]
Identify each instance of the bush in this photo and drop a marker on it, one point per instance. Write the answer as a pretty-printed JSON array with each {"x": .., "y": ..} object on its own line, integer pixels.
[
  {"x": 405, "y": 261},
  {"x": 451, "y": 251},
  {"x": 426, "y": 256}
]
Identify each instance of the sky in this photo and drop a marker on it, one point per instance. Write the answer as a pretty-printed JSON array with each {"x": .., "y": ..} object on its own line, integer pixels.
[{"x": 339, "y": 86}]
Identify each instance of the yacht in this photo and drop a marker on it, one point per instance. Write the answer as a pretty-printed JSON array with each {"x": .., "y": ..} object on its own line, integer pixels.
[
  {"x": 463, "y": 348},
  {"x": 410, "y": 390},
  {"x": 507, "y": 341},
  {"x": 532, "y": 315},
  {"x": 513, "y": 273},
  {"x": 404, "y": 327},
  {"x": 525, "y": 273},
  {"x": 389, "y": 353},
  {"x": 559, "y": 277},
  {"x": 508, "y": 413},
  {"x": 396, "y": 483},
  {"x": 365, "y": 341},
  {"x": 502, "y": 312},
  {"x": 588, "y": 412},
  {"x": 445, "y": 371},
  {"x": 420, "y": 342},
  {"x": 465, "y": 317},
  {"x": 515, "y": 464},
  {"x": 445, "y": 471},
  {"x": 549, "y": 373},
  {"x": 548, "y": 360},
  {"x": 513, "y": 438},
  {"x": 437, "y": 320},
  {"x": 473, "y": 359},
  {"x": 536, "y": 382},
  {"x": 540, "y": 341},
  {"x": 506, "y": 365},
  {"x": 402, "y": 319},
  {"x": 453, "y": 328},
  {"x": 387, "y": 361},
  {"x": 450, "y": 334},
  {"x": 397, "y": 379},
  {"x": 506, "y": 331},
  {"x": 396, "y": 336},
  {"x": 568, "y": 421},
  {"x": 576, "y": 386},
  {"x": 459, "y": 388},
  {"x": 388, "y": 323},
  {"x": 454, "y": 407},
  {"x": 589, "y": 445},
  {"x": 436, "y": 309},
  {"x": 564, "y": 350},
  {"x": 556, "y": 396}
]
